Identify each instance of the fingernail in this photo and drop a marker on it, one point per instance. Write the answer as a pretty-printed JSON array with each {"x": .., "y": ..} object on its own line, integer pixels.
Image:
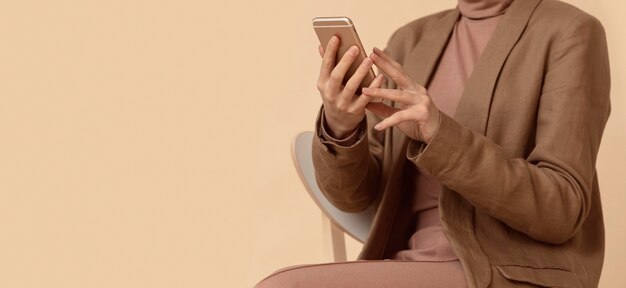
[
  {"x": 354, "y": 50},
  {"x": 378, "y": 126},
  {"x": 333, "y": 40},
  {"x": 365, "y": 90},
  {"x": 373, "y": 56},
  {"x": 367, "y": 62}
]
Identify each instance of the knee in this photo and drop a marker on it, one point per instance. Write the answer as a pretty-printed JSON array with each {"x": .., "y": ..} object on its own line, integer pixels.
[
  {"x": 279, "y": 278},
  {"x": 270, "y": 282}
]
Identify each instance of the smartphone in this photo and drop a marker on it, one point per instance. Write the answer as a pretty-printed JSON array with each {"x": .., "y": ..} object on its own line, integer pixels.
[{"x": 342, "y": 27}]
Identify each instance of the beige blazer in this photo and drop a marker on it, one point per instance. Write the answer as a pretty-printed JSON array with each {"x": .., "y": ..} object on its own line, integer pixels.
[{"x": 517, "y": 160}]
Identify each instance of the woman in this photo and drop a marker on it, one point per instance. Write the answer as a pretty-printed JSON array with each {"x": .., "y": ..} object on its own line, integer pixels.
[{"x": 486, "y": 177}]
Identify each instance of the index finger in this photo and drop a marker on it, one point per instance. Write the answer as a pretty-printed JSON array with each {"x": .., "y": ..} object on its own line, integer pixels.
[{"x": 392, "y": 68}]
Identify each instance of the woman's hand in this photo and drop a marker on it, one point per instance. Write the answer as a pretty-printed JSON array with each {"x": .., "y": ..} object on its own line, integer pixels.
[
  {"x": 417, "y": 117},
  {"x": 343, "y": 109}
]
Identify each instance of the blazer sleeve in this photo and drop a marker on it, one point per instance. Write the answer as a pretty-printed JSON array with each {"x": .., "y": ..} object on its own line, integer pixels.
[
  {"x": 350, "y": 175},
  {"x": 547, "y": 195}
]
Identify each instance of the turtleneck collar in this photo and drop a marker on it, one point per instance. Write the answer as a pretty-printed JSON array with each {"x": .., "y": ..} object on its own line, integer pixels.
[{"x": 479, "y": 9}]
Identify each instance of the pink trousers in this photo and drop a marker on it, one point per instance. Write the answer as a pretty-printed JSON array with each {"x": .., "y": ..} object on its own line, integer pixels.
[{"x": 369, "y": 273}]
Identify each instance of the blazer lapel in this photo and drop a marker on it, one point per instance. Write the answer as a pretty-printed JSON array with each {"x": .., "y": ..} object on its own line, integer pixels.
[
  {"x": 473, "y": 109},
  {"x": 419, "y": 64},
  {"x": 457, "y": 215},
  {"x": 422, "y": 60}
]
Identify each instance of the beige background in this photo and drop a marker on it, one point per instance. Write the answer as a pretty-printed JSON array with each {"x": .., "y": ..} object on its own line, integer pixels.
[{"x": 146, "y": 143}]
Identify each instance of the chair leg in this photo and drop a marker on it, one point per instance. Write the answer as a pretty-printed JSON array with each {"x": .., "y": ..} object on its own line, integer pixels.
[{"x": 334, "y": 237}]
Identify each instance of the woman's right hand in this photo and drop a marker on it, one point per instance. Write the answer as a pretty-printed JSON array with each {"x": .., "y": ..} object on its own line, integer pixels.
[{"x": 343, "y": 109}]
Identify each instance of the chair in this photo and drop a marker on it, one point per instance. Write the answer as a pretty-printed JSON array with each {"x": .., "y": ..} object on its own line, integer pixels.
[{"x": 357, "y": 225}]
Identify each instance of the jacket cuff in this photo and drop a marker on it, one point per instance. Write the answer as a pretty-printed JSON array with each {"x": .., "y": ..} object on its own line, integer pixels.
[
  {"x": 336, "y": 148},
  {"x": 355, "y": 136},
  {"x": 435, "y": 156}
]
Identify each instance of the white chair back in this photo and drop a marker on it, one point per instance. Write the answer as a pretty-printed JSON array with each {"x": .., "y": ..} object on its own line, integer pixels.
[{"x": 356, "y": 225}]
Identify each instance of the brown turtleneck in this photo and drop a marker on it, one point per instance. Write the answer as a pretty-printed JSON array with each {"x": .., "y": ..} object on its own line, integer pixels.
[{"x": 471, "y": 33}]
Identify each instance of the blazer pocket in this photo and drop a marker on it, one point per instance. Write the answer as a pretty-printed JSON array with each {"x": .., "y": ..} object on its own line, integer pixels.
[{"x": 544, "y": 277}]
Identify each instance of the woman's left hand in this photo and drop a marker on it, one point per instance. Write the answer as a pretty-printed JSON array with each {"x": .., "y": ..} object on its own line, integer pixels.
[{"x": 417, "y": 116}]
